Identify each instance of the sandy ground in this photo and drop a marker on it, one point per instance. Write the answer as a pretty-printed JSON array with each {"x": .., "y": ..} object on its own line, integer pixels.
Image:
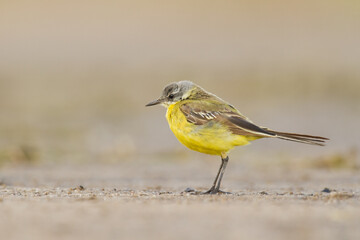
[
  {"x": 82, "y": 158},
  {"x": 125, "y": 201}
]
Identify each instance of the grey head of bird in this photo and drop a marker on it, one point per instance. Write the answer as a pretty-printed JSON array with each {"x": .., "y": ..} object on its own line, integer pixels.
[{"x": 175, "y": 92}]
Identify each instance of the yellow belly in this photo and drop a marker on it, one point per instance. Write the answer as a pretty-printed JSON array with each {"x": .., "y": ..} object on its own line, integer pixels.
[{"x": 211, "y": 138}]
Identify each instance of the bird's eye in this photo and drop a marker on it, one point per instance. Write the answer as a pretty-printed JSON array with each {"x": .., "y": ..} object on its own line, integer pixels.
[{"x": 171, "y": 96}]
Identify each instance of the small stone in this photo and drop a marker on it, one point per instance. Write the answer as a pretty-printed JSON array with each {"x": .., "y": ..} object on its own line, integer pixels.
[
  {"x": 189, "y": 190},
  {"x": 326, "y": 190}
]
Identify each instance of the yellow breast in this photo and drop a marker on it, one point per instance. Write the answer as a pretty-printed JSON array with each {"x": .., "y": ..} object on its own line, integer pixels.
[{"x": 211, "y": 138}]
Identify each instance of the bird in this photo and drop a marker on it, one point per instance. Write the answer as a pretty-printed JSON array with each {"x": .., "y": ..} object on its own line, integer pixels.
[{"x": 205, "y": 123}]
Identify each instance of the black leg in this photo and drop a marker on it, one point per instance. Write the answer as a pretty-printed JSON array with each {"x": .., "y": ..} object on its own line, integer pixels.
[
  {"x": 216, "y": 186},
  {"x": 216, "y": 179},
  {"x": 225, "y": 162}
]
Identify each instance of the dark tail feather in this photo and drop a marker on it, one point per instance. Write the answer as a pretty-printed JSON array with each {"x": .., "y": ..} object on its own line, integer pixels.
[{"x": 301, "y": 138}]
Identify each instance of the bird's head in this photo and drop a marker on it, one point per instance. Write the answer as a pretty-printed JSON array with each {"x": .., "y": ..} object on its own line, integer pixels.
[{"x": 174, "y": 92}]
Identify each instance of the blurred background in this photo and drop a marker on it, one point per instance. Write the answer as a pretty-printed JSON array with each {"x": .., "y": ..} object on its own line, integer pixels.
[{"x": 75, "y": 76}]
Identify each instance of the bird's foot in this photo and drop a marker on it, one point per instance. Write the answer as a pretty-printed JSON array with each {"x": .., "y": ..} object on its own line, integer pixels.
[
  {"x": 211, "y": 191},
  {"x": 214, "y": 190}
]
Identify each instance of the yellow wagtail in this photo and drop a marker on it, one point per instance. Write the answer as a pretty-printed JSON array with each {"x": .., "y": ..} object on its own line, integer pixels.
[{"x": 205, "y": 123}]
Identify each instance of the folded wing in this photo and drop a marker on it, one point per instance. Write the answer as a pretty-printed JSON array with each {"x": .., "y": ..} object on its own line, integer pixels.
[{"x": 201, "y": 113}]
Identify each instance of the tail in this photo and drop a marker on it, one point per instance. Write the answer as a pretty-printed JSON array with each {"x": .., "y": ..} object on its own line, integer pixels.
[{"x": 301, "y": 138}]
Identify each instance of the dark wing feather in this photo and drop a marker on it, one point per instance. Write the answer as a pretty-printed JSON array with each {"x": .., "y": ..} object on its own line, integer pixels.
[{"x": 248, "y": 126}]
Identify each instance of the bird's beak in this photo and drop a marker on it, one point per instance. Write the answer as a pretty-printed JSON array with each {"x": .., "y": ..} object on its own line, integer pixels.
[{"x": 155, "y": 102}]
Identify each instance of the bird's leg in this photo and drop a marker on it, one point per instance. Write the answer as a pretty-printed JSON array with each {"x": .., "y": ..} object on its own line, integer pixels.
[
  {"x": 216, "y": 186},
  {"x": 212, "y": 189},
  {"x": 225, "y": 162}
]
